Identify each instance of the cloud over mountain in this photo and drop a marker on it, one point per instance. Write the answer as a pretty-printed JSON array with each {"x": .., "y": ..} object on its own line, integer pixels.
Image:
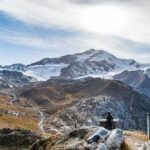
[{"x": 97, "y": 25}]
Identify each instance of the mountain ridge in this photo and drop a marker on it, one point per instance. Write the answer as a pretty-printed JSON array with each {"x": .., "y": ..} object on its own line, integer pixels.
[
  {"x": 139, "y": 80},
  {"x": 85, "y": 96},
  {"x": 92, "y": 62}
]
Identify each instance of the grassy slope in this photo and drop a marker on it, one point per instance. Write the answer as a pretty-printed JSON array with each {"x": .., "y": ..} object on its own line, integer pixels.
[{"x": 28, "y": 121}]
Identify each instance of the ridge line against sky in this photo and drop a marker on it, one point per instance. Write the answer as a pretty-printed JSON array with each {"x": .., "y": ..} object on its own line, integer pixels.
[{"x": 34, "y": 29}]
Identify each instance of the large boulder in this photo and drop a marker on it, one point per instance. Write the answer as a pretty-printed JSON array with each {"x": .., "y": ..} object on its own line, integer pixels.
[
  {"x": 115, "y": 139},
  {"x": 100, "y": 135}
]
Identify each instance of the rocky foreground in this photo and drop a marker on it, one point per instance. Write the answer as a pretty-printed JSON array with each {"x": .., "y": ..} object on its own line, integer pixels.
[
  {"x": 18, "y": 139},
  {"x": 84, "y": 138},
  {"x": 91, "y": 138}
]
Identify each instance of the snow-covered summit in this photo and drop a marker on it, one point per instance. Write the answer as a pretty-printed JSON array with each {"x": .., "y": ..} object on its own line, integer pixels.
[
  {"x": 101, "y": 55},
  {"x": 93, "y": 55},
  {"x": 99, "y": 63}
]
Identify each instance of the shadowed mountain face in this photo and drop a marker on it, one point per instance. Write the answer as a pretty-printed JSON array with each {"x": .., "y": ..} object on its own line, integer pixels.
[
  {"x": 139, "y": 80},
  {"x": 57, "y": 89},
  {"x": 13, "y": 78},
  {"x": 56, "y": 95}
]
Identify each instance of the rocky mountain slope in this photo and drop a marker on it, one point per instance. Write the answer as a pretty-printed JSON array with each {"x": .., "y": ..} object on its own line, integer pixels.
[
  {"x": 58, "y": 106},
  {"x": 89, "y": 63},
  {"x": 86, "y": 101},
  {"x": 14, "y": 78},
  {"x": 97, "y": 63},
  {"x": 139, "y": 80}
]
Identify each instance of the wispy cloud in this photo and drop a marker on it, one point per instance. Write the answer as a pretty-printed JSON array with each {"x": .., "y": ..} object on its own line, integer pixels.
[
  {"x": 126, "y": 21},
  {"x": 131, "y": 2},
  {"x": 59, "y": 45},
  {"x": 18, "y": 38},
  {"x": 119, "y": 26}
]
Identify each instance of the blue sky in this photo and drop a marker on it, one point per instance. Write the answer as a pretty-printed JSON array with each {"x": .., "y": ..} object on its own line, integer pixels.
[
  {"x": 15, "y": 47},
  {"x": 34, "y": 29}
]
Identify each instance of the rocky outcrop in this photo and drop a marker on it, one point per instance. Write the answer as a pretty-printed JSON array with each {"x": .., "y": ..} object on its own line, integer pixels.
[
  {"x": 15, "y": 67},
  {"x": 14, "y": 78},
  {"x": 115, "y": 139},
  {"x": 18, "y": 139},
  {"x": 145, "y": 146},
  {"x": 89, "y": 111},
  {"x": 91, "y": 68},
  {"x": 91, "y": 138}
]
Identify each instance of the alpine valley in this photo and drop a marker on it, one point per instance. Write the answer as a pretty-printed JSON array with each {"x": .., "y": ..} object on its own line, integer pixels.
[{"x": 64, "y": 99}]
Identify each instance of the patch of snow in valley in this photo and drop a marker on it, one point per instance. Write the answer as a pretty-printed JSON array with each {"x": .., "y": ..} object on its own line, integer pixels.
[
  {"x": 33, "y": 74},
  {"x": 108, "y": 75},
  {"x": 44, "y": 72}
]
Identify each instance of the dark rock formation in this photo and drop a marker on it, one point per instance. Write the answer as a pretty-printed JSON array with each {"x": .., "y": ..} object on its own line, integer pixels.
[{"x": 18, "y": 139}]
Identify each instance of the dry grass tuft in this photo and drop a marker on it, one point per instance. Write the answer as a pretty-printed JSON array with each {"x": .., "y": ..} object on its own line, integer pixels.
[
  {"x": 137, "y": 134},
  {"x": 18, "y": 122}
]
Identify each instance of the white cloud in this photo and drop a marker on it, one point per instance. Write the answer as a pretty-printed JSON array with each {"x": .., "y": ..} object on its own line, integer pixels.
[
  {"x": 129, "y": 21},
  {"x": 117, "y": 26},
  {"x": 58, "y": 46}
]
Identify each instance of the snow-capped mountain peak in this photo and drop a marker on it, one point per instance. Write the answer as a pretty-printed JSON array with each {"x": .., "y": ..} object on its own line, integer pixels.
[
  {"x": 89, "y": 63},
  {"x": 94, "y": 55},
  {"x": 103, "y": 56}
]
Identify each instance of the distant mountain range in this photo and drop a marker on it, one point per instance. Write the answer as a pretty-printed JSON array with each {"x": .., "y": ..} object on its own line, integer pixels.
[
  {"x": 95, "y": 63},
  {"x": 91, "y": 63}
]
